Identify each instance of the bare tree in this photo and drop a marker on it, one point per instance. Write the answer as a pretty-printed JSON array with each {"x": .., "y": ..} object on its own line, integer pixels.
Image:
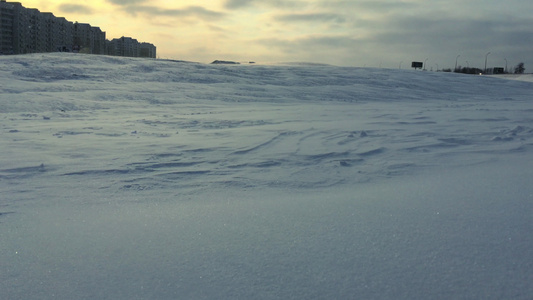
[{"x": 519, "y": 69}]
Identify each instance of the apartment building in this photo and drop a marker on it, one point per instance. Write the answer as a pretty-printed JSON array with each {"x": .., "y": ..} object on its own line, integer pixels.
[
  {"x": 147, "y": 50},
  {"x": 66, "y": 35},
  {"x": 7, "y": 16},
  {"x": 127, "y": 46},
  {"x": 27, "y": 30}
]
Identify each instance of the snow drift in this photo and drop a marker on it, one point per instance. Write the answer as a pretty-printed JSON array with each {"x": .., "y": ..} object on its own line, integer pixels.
[{"x": 126, "y": 178}]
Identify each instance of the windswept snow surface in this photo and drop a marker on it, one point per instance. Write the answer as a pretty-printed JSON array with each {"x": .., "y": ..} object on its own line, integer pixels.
[{"x": 126, "y": 178}]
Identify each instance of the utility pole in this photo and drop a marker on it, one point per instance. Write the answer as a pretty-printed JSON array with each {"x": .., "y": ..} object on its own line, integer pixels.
[
  {"x": 505, "y": 65},
  {"x": 486, "y": 55}
]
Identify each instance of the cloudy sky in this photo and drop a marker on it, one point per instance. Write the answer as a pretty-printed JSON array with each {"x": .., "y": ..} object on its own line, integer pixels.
[{"x": 372, "y": 33}]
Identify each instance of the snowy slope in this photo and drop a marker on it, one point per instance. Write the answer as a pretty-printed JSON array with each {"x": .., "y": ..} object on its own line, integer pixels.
[{"x": 125, "y": 178}]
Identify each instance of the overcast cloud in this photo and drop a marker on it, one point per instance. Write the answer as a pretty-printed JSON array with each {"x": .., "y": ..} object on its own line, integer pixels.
[
  {"x": 127, "y": 2},
  {"x": 310, "y": 17},
  {"x": 75, "y": 8},
  {"x": 191, "y": 11},
  {"x": 241, "y": 4},
  {"x": 382, "y": 33}
]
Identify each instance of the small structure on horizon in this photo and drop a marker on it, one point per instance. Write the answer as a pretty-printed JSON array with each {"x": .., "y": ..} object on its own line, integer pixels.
[
  {"x": 498, "y": 71},
  {"x": 225, "y": 62},
  {"x": 417, "y": 65}
]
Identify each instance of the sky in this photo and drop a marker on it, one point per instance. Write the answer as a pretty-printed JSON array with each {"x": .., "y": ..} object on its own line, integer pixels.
[{"x": 366, "y": 33}]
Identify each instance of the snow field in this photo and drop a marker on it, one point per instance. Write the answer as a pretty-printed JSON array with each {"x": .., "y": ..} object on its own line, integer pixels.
[{"x": 148, "y": 179}]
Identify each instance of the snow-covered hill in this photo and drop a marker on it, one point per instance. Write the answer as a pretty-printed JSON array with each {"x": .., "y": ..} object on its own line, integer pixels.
[{"x": 126, "y": 178}]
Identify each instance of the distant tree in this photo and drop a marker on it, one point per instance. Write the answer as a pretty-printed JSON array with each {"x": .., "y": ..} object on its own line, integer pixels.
[
  {"x": 519, "y": 69},
  {"x": 467, "y": 70}
]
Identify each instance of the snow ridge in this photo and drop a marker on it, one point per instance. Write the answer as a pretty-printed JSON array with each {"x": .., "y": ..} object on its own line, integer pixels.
[
  {"x": 205, "y": 125},
  {"x": 125, "y": 178}
]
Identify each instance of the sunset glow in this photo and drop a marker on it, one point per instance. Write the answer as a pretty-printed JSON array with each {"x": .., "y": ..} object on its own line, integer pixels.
[{"x": 354, "y": 33}]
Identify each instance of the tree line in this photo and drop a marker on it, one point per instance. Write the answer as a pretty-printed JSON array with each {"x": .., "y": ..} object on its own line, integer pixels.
[{"x": 518, "y": 69}]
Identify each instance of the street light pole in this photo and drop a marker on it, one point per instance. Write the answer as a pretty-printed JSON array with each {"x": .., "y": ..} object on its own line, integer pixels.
[
  {"x": 455, "y": 70},
  {"x": 425, "y": 64},
  {"x": 505, "y": 65},
  {"x": 486, "y": 55}
]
